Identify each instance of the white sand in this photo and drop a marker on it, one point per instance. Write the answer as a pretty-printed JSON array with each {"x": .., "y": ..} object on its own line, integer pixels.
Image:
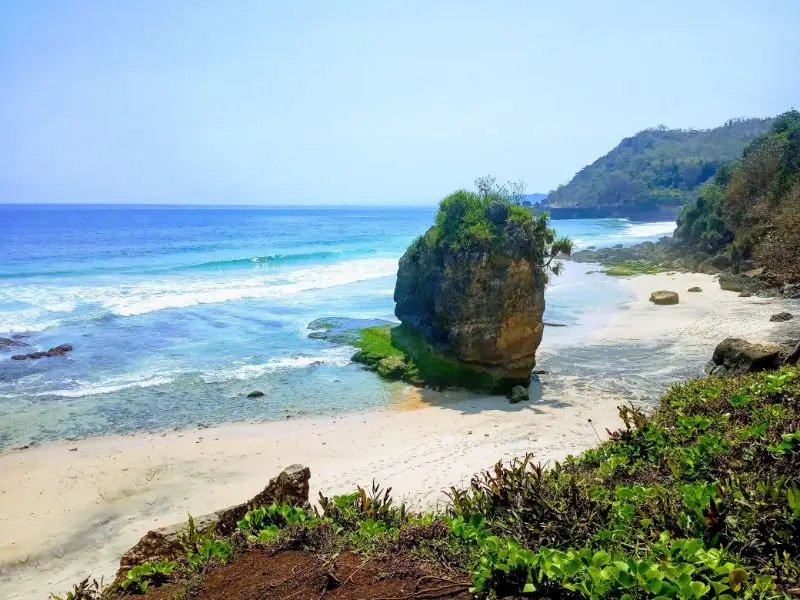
[{"x": 69, "y": 509}]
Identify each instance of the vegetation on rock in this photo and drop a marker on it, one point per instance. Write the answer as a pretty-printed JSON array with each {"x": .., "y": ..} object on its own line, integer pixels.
[
  {"x": 656, "y": 171},
  {"x": 699, "y": 500}
]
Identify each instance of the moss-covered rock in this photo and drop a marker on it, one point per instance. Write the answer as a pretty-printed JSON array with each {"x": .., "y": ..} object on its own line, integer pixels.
[{"x": 391, "y": 367}]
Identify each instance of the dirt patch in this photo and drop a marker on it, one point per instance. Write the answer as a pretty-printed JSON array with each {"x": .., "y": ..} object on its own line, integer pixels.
[{"x": 291, "y": 575}]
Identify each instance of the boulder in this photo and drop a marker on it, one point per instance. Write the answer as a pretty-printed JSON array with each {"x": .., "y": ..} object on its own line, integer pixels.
[
  {"x": 735, "y": 356},
  {"x": 781, "y": 317},
  {"x": 664, "y": 297},
  {"x": 739, "y": 283},
  {"x": 56, "y": 351},
  {"x": 745, "y": 294},
  {"x": 290, "y": 487},
  {"x": 720, "y": 262},
  {"x": 255, "y": 394},
  {"x": 518, "y": 394},
  {"x": 695, "y": 289},
  {"x": 391, "y": 367}
]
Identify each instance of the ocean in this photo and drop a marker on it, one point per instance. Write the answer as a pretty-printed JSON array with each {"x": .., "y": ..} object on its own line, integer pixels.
[{"x": 176, "y": 313}]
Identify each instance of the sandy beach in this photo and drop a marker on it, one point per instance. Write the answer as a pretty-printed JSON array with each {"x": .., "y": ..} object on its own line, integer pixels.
[{"x": 71, "y": 508}]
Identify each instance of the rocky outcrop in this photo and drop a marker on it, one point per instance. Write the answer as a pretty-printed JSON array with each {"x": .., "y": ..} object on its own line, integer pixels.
[
  {"x": 481, "y": 306},
  {"x": 9, "y": 343},
  {"x": 781, "y": 317},
  {"x": 56, "y": 351},
  {"x": 290, "y": 487},
  {"x": 518, "y": 394},
  {"x": 664, "y": 297},
  {"x": 735, "y": 356}
]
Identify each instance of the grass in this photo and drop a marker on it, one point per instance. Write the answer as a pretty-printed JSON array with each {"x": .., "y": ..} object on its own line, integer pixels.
[
  {"x": 424, "y": 365},
  {"x": 628, "y": 268}
]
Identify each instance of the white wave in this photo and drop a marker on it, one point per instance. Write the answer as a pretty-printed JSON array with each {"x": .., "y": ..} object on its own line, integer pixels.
[
  {"x": 48, "y": 302},
  {"x": 106, "y": 387},
  {"x": 638, "y": 230},
  {"x": 335, "y": 356}
]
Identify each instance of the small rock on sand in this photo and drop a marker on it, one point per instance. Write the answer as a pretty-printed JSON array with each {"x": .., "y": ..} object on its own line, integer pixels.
[
  {"x": 695, "y": 289},
  {"x": 664, "y": 297}
]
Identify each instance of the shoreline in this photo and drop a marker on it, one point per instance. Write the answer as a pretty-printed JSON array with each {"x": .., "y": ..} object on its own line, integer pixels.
[{"x": 71, "y": 508}]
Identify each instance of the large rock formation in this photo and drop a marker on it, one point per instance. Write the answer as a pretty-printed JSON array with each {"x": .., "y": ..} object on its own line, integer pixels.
[
  {"x": 290, "y": 487},
  {"x": 481, "y": 304}
]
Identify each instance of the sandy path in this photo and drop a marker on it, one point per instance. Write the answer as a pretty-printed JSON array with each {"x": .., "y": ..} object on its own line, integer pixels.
[{"x": 68, "y": 509}]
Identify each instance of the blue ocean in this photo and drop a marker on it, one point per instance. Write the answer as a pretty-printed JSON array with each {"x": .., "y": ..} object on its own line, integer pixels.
[{"x": 176, "y": 313}]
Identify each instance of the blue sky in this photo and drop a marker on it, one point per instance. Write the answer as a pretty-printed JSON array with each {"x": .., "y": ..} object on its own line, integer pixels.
[{"x": 362, "y": 102}]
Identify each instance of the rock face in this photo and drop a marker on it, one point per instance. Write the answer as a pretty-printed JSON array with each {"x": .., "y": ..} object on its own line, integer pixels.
[
  {"x": 290, "y": 487},
  {"x": 56, "y": 351},
  {"x": 735, "y": 356},
  {"x": 664, "y": 297},
  {"x": 781, "y": 317},
  {"x": 480, "y": 306}
]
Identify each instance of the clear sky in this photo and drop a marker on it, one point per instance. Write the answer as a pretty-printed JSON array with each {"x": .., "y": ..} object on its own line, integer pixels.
[{"x": 362, "y": 102}]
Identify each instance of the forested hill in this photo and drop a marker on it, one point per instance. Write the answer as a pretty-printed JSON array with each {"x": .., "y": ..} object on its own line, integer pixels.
[
  {"x": 750, "y": 210},
  {"x": 655, "y": 172}
]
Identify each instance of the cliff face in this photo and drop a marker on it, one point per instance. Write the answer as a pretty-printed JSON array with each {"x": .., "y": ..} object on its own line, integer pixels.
[{"x": 480, "y": 305}]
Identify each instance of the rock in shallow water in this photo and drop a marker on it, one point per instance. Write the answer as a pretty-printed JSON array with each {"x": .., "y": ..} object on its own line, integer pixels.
[
  {"x": 695, "y": 289},
  {"x": 781, "y": 317},
  {"x": 664, "y": 297},
  {"x": 480, "y": 306},
  {"x": 518, "y": 394},
  {"x": 9, "y": 343},
  {"x": 56, "y": 351},
  {"x": 255, "y": 394}
]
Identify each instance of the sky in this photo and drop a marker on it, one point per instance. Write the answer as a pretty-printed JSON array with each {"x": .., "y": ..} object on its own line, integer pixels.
[{"x": 362, "y": 101}]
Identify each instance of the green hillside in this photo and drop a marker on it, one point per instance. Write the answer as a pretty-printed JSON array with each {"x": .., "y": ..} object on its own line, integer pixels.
[
  {"x": 750, "y": 210},
  {"x": 654, "y": 172}
]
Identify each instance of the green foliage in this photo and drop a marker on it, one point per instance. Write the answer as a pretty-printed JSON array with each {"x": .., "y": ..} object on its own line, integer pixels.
[
  {"x": 139, "y": 578},
  {"x": 491, "y": 218},
  {"x": 264, "y": 523},
  {"x": 627, "y": 268},
  {"x": 207, "y": 550},
  {"x": 657, "y": 167}
]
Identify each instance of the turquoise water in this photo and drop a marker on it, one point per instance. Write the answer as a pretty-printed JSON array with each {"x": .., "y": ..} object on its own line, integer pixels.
[{"x": 176, "y": 313}]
